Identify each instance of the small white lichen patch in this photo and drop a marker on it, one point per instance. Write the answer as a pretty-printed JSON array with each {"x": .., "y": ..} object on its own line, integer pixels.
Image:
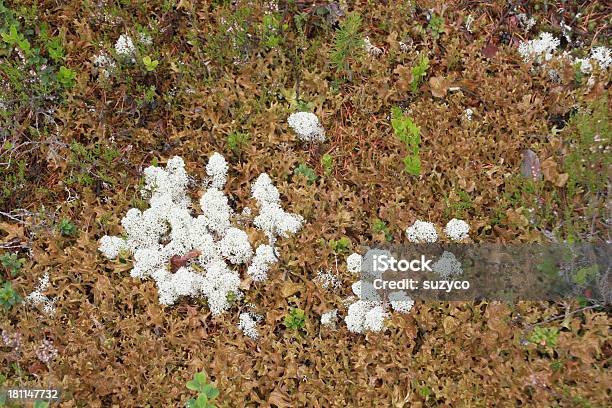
[
  {"x": 539, "y": 50},
  {"x": 365, "y": 316},
  {"x": 327, "y": 280},
  {"x": 400, "y": 301},
  {"x": 468, "y": 114},
  {"x": 264, "y": 257},
  {"x": 125, "y": 49},
  {"x": 353, "y": 263},
  {"x": 371, "y": 48},
  {"x": 457, "y": 230},
  {"x": 217, "y": 170},
  {"x": 307, "y": 126},
  {"x": 447, "y": 265},
  {"x": 37, "y": 297},
  {"x": 603, "y": 56},
  {"x": 422, "y": 232},
  {"x": 330, "y": 318},
  {"x": 248, "y": 324},
  {"x": 105, "y": 64}
]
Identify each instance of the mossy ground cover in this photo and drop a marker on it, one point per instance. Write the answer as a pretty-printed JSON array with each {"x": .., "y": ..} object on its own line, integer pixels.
[{"x": 224, "y": 76}]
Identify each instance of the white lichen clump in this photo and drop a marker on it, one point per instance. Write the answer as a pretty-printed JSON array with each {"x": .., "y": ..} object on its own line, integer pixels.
[
  {"x": 400, "y": 301},
  {"x": 353, "y": 263},
  {"x": 217, "y": 170},
  {"x": 125, "y": 49},
  {"x": 422, "y": 232},
  {"x": 197, "y": 255},
  {"x": 603, "y": 56},
  {"x": 544, "y": 48},
  {"x": 247, "y": 322},
  {"x": 365, "y": 316},
  {"x": 272, "y": 219},
  {"x": 457, "y": 230},
  {"x": 447, "y": 265},
  {"x": 330, "y": 318},
  {"x": 37, "y": 297},
  {"x": 540, "y": 49},
  {"x": 327, "y": 280},
  {"x": 307, "y": 126},
  {"x": 371, "y": 48},
  {"x": 599, "y": 55},
  {"x": 105, "y": 64}
]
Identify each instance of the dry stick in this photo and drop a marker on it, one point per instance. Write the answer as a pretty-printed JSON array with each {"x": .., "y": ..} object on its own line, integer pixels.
[{"x": 582, "y": 309}]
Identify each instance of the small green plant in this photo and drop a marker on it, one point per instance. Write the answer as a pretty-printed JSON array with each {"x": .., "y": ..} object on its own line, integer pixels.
[
  {"x": 237, "y": 141},
  {"x": 40, "y": 404},
  {"x": 348, "y": 43},
  {"x": 578, "y": 74},
  {"x": 408, "y": 133},
  {"x": 272, "y": 30},
  {"x": 587, "y": 161},
  {"x": 327, "y": 161},
  {"x": 150, "y": 94},
  {"x": 435, "y": 26},
  {"x": 15, "y": 39},
  {"x": 583, "y": 276},
  {"x": 306, "y": 171},
  {"x": 12, "y": 263},
  {"x": 295, "y": 319},
  {"x": 341, "y": 245},
  {"x": 418, "y": 73},
  {"x": 544, "y": 336},
  {"x": 425, "y": 391},
  {"x": 66, "y": 77},
  {"x": 380, "y": 226},
  {"x": 303, "y": 106},
  {"x": 206, "y": 392},
  {"x": 150, "y": 64},
  {"x": 8, "y": 296},
  {"x": 67, "y": 228}
]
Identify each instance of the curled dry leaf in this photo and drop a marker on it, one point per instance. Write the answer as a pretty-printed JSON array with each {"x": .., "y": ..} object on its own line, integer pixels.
[
  {"x": 405, "y": 77},
  {"x": 489, "y": 50},
  {"x": 177, "y": 262},
  {"x": 549, "y": 169},
  {"x": 439, "y": 86}
]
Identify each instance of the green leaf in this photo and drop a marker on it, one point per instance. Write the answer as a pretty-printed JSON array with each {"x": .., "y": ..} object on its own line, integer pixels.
[
  {"x": 328, "y": 164},
  {"x": 210, "y": 391},
  {"x": 198, "y": 383}
]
